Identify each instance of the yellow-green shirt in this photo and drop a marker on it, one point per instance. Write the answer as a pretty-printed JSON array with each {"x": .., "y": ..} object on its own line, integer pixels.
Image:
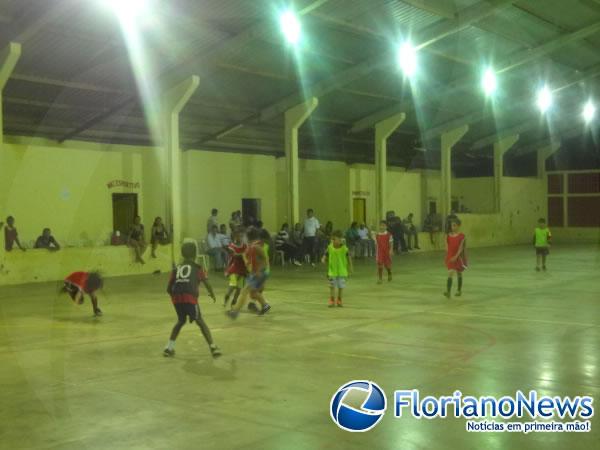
[
  {"x": 338, "y": 261},
  {"x": 542, "y": 237}
]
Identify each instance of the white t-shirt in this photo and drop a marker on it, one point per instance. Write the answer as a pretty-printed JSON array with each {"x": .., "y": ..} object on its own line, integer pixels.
[
  {"x": 311, "y": 225},
  {"x": 363, "y": 233}
]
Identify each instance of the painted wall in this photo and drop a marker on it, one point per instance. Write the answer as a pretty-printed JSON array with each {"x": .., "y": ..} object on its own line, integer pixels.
[
  {"x": 221, "y": 180},
  {"x": 403, "y": 191},
  {"x": 64, "y": 187},
  {"x": 476, "y": 194}
]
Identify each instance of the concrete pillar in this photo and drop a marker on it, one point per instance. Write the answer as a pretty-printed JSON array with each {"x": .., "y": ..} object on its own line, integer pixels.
[
  {"x": 448, "y": 140},
  {"x": 173, "y": 101},
  {"x": 9, "y": 57},
  {"x": 500, "y": 148},
  {"x": 543, "y": 153},
  {"x": 294, "y": 118},
  {"x": 383, "y": 131}
]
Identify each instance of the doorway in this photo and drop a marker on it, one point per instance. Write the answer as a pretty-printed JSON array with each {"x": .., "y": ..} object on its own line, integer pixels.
[
  {"x": 125, "y": 208},
  {"x": 250, "y": 210},
  {"x": 359, "y": 210}
]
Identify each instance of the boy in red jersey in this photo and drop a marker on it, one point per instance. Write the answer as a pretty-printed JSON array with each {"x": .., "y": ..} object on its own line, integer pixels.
[
  {"x": 183, "y": 289},
  {"x": 257, "y": 265},
  {"x": 78, "y": 284},
  {"x": 456, "y": 257},
  {"x": 384, "y": 251},
  {"x": 236, "y": 268}
]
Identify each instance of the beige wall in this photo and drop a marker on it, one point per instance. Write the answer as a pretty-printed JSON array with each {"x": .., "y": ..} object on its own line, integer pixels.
[{"x": 476, "y": 194}]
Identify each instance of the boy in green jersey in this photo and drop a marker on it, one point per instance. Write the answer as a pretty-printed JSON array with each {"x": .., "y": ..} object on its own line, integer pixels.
[
  {"x": 541, "y": 242},
  {"x": 338, "y": 268}
]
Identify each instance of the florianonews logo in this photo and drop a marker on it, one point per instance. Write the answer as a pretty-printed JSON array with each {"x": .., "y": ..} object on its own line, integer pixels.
[{"x": 358, "y": 406}]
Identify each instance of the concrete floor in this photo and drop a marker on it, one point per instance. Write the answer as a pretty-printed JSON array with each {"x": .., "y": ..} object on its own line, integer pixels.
[{"x": 74, "y": 382}]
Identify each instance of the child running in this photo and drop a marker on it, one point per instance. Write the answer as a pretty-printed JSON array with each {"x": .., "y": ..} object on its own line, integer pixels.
[
  {"x": 183, "y": 289},
  {"x": 236, "y": 269},
  {"x": 338, "y": 268},
  {"x": 456, "y": 258},
  {"x": 257, "y": 266},
  {"x": 541, "y": 241},
  {"x": 78, "y": 284},
  {"x": 384, "y": 251}
]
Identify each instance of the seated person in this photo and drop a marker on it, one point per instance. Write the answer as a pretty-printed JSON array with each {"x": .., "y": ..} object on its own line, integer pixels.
[
  {"x": 136, "y": 239},
  {"x": 433, "y": 225},
  {"x": 352, "y": 237},
  {"x": 11, "y": 236},
  {"x": 284, "y": 243},
  {"x": 225, "y": 239},
  {"x": 158, "y": 235},
  {"x": 46, "y": 240},
  {"x": 411, "y": 232},
  {"x": 367, "y": 245},
  {"x": 216, "y": 249}
]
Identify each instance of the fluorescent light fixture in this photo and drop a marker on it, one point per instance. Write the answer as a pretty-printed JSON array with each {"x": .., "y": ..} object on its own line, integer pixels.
[
  {"x": 489, "y": 82},
  {"x": 589, "y": 111},
  {"x": 544, "y": 99},
  {"x": 407, "y": 59},
  {"x": 290, "y": 27}
]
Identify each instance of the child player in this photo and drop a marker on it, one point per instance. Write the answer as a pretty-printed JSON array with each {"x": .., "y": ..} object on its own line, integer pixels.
[
  {"x": 541, "y": 241},
  {"x": 236, "y": 269},
  {"x": 183, "y": 289},
  {"x": 456, "y": 259},
  {"x": 257, "y": 265},
  {"x": 80, "y": 283},
  {"x": 384, "y": 251},
  {"x": 339, "y": 261}
]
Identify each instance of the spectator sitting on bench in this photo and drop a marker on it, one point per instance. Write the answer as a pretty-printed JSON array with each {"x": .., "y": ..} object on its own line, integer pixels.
[
  {"x": 158, "y": 235},
  {"x": 215, "y": 248},
  {"x": 11, "y": 236},
  {"x": 411, "y": 231},
  {"x": 433, "y": 225},
  {"x": 46, "y": 240}
]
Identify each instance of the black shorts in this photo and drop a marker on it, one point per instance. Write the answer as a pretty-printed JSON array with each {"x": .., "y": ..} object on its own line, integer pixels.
[
  {"x": 542, "y": 251},
  {"x": 187, "y": 310}
]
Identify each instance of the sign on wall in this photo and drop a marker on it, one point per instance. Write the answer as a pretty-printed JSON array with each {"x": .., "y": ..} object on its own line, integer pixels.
[{"x": 123, "y": 183}]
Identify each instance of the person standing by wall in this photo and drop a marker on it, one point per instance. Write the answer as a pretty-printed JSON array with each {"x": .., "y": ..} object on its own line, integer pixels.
[
  {"x": 213, "y": 220},
  {"x": 46, "y": 240},
  {"x": 311, "y": 226},
  {"x": 11, "y": 236}
]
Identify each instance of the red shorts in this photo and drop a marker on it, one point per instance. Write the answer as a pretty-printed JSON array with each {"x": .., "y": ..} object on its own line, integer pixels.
[
  {"x": 385, "y": 261},
  {"x": 459, "y": 265}
]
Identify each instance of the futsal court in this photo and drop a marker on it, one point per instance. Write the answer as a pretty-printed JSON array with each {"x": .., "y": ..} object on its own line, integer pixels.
[{"x": 71, "y": 378}]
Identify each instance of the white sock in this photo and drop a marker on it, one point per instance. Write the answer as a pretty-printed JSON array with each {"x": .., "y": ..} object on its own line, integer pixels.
[{"x": 171, "y": 344}]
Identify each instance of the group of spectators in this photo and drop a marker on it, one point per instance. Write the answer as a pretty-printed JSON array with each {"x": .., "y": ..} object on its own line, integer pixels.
[
  {"x": 11, "y": 237},
  {"x": 136, "y": 237}
]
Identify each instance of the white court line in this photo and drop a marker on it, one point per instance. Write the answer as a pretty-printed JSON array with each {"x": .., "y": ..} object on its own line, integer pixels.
[{"x": 552, "y": 322}]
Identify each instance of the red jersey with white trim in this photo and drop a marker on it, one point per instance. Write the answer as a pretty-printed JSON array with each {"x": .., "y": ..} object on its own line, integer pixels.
[
  {"x": 184, "y": 283},
  {"x": 384, "y": 242},
  {"x": 78, "y": 280},
  {"x": 453, "y": 244},
  {"x": 236, "y": 263}
]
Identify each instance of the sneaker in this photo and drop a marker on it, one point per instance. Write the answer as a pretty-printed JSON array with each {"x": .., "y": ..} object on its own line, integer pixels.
[
  {"x": 544, "y": 268},
  {"x": 167, "y": 353},
  {"x": 313, "y": 264},
  {"x": 447, "y": 294},
  {"x": 338, "y": 302},
  {"x": 331, "y": 303},
  {"x": 297, "y": 263},
  {"x": 537, "y": 269},
  {"x": 252, "y": 307},
  {"x": 389, "y": 277},
  {"x": 417, "y": 248},
  {"x": 458, "y": 294},
  {"x": 98, "y": 312},
  {"x": 215, "y": 352},
  {"x": 265, "y": 310},
  {"x": 232, "y": 314},
  {"x": 379, "y": 281}
]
